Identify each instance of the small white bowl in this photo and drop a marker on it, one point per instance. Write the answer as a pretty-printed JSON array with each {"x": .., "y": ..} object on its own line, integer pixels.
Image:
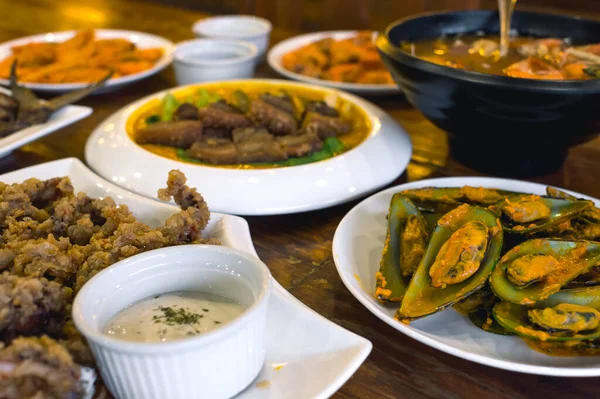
[
  {"x": 217, "y": 364},
  {"x": 206, "y": 60},
  {"x": 250, "y": 28}
]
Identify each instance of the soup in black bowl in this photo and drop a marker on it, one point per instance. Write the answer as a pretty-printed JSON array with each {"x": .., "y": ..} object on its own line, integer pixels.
[{"x": 504, "y": 125}]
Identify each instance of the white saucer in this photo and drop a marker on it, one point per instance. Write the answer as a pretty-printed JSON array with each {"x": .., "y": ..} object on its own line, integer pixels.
[
  {"x": 141, "y": 39},
  {"x": 276, "y": 54},
  {"x": 307, "y": 356},
  {"x": 357, "y": 247},
  {"x": 377, "y": 161},
  {"x": 59, "y": 119}
]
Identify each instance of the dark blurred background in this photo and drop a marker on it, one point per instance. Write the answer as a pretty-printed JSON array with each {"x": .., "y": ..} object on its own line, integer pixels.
[{"x": 310, "y": 15}]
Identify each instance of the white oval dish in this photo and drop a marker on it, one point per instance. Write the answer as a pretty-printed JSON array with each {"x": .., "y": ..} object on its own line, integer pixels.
[
  {"x": 276, "y": 54},
  {"x": 249, "y": 28},
  {"x": 217, "y": 364},
  {"x": 377, "y": 161},
  {"x": 448, "y": 331},
  {"x": 205, "y": 60},
  {"x": 142, "y": 40},
  {"x": 307, "y": 356}
]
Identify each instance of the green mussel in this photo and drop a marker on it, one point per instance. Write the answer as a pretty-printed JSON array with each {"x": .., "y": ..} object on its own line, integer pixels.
[
  {"x": 484, "y": 319},
  {"x": 444, "y": 199},
  {"x": 585, "y": 296},
  {"x": 538, "y": 268},
  {"x": 585, "y": 226},
  {"x": 528, "y": 214},
  {"x": 562, "y": 322},
  {"x": 460, "y": 255},
  {"x": 404, "y": 246}
]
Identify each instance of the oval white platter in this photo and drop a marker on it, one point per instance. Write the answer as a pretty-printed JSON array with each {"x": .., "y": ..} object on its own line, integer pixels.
[
  {"x": 377, "y": 161},
  {"x": 59, "y": 119},
  {"x": 307, "y": 355},
  {"x": 357, "y": 247},
  {"x": 141, "y": 39},
  {"x": 276, "y": 54}
]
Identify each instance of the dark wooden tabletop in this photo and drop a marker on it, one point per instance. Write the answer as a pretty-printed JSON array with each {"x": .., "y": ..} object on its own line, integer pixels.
[{"x": 297, "y": 248}]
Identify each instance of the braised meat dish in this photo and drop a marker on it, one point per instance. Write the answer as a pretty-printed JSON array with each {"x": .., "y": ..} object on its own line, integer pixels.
[
  {"x": 53, "y": 241},
  {"x": 250, "y": 128}
]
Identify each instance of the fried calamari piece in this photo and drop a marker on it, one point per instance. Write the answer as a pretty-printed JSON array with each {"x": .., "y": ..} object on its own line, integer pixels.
[
  {"x": 76, "y": 344},
  {"x": 127, "y": 240},
  {"x": 49, "y": 257},
  {"x": 184, "y": 227},
  {"x": 38, "y": 368},
  {"x": 42, "y": 192},
  {"x": 30, "y": 305}
]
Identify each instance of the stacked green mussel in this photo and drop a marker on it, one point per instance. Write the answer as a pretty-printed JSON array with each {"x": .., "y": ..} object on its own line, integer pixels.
[{"x": 515, "y": 263}]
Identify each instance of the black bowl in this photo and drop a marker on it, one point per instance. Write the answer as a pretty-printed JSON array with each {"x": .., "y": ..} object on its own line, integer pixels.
[{"x": 498, "y": 124}]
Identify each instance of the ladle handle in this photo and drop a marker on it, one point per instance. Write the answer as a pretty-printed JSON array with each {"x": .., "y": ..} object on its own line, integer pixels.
[{"x": 506, "y": 8}]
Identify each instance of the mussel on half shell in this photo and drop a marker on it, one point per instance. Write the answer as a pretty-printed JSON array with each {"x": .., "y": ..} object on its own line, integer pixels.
[
  {"x": 460, "y": 255},
  {"x": 528, "y": 214},
  {"x": 404, "y": 246},
  {"x": 538, "y": 268},
  {"x": 444, "y": 199},
  {"x": 562, "y": 322}
]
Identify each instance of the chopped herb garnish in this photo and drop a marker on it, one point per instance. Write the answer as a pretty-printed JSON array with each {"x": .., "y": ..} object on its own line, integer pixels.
[
  {"x": 206, "y": 310},
  {"x": 172, "y": 317},
  {"x": 217, "y": 322}
]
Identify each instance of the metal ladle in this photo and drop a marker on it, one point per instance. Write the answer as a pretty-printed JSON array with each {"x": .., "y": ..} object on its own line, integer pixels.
[{"x": 506, "y": 8}]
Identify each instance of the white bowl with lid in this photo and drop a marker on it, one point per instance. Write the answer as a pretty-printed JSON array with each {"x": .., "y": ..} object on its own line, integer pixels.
[
  {"x": 206, "y": 60},
  {"x": 216, "y": 364},
  {"x": 249, "y": 28}
]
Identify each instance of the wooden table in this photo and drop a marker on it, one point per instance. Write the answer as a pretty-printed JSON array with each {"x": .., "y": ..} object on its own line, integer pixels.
[{"x": 297, "y": 248}]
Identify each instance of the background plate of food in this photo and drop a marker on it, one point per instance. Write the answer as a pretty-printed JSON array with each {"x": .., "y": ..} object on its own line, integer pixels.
[
  {"x": 523, "y": 274},
  {"x": 256, "y": 147},
  {"x": 17, "y": 132},
  {"x": 70, "y": 60},
  {"x": 345, "y": 60},
  {"x": 78, "y": 231}
]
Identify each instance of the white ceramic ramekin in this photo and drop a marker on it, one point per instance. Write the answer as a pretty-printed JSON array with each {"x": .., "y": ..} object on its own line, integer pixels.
[
  {"x": 206, "y": 60},
  {"x": 250, "y": 28},
  {"x": 218, "y": 364}
]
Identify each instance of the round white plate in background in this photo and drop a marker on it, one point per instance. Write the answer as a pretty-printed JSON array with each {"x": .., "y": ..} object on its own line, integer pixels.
[
  {"x": 377, "y": 161},
  {"x": 357, "y": 247},
  {"x": 276, "y": 54},
  {"x": 141, "y": 40}
]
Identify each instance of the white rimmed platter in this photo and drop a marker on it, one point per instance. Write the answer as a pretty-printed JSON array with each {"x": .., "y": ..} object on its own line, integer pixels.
[
  {"x": 377, "y": 161},
  {"x": 275, "y": 56},
  {"x": 59, "y": 119},
  {"x": 357, "y": 247},
  {"x": 307, "y": 355},
  {"x": 141, "y": 39}
]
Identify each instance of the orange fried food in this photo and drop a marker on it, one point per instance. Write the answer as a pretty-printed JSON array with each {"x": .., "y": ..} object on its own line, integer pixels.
[
  {"x": 344, "y": 73},
  {"x": 534, "y": 68},
  {"x": 353, "y": 60},
  {"x": 81, "y": 59},
  {"x": 376, "y": 77}
]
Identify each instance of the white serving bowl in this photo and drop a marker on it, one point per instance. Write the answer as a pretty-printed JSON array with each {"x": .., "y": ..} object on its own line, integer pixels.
[
  {"x": 217, "y": 364},
  {"x": 206, "y": 60},
  {"x": 249, "y": 28}
]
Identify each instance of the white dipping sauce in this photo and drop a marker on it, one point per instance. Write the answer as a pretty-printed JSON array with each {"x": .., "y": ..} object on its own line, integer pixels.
[{"x": 172, "y": 316}]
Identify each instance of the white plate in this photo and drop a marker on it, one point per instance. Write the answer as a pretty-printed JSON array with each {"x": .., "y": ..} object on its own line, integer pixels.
[
  {"x": 276, "y": 54},
  {"x": 377, "y": 161},
  {"x": 142, "y": 40},
  {"x": 315, "y": 357},
  {"x": 357, "y": 247},
  {"x": 64, "y": 117}
]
